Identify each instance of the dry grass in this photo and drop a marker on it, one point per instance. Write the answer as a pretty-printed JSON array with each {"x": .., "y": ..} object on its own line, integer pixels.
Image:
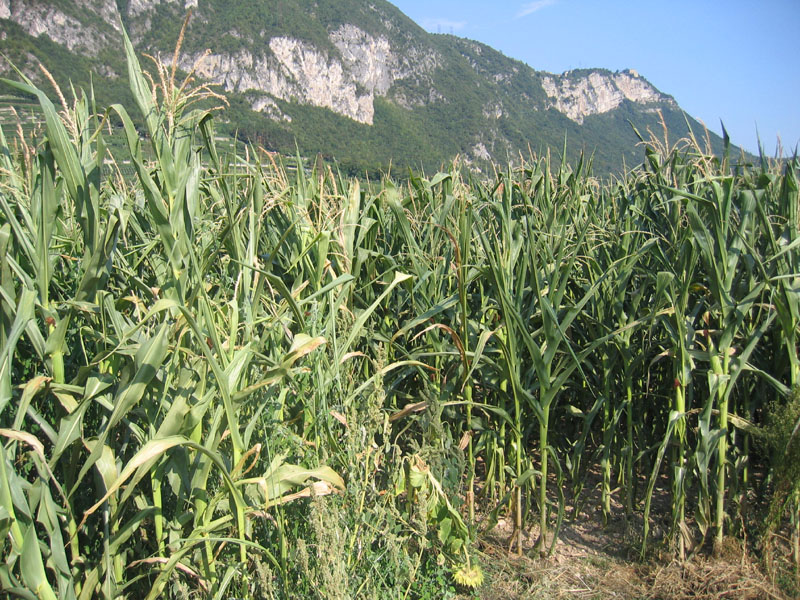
[
  {"x": 712, "y": 577},
  {"x": 595, "y": 562},
  {"x": 577, "y": 571}
]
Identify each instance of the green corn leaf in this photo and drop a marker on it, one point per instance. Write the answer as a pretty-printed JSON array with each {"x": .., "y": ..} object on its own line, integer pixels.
[
  {"x": 24, "y": 314},
  {"x": 32, "y": 567},
  {"x": 69, "y": 431},
  {"x": 358, "y": 325}
]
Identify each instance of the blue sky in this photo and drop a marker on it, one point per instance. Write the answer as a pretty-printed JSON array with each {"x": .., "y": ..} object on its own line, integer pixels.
[{"x": 734, "y": 61}]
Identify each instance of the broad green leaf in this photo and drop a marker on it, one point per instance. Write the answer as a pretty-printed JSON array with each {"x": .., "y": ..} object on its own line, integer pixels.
[{"x": 32, "y": 567}]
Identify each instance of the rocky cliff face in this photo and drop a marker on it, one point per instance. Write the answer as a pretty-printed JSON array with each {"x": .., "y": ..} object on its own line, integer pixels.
[
  {"x": 40, "y": 18},
  {"x": 346, "y": 82},
  {"x": 425, "y": 98},
  {"x": 345, "y": 79},
  {"x": 597, "y": 93},
  {"x": 137, "y": 7}
]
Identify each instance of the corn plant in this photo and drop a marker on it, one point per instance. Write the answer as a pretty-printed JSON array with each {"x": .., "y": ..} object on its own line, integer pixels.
[
  {"x": 214, "y": 367},
  {"x": 723, "y": 248},
  {"x": 163, "y": 373}
]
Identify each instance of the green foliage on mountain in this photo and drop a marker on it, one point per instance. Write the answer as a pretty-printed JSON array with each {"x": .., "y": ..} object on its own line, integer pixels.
[{"x": 475, "y": 102}]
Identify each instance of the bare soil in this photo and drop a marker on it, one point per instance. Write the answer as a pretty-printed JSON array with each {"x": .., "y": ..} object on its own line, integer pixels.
[{"x": 591, "y": 561}]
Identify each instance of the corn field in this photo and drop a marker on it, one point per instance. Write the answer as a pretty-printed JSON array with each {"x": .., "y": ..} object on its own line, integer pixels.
[{"x": 219, "y": 380}]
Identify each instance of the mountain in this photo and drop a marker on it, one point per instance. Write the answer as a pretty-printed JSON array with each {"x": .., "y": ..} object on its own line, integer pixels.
[{"x": 352, "y": 79}]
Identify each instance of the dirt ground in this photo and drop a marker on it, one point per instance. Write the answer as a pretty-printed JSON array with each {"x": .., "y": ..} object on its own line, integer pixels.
[{"x": 595, "y": 561}]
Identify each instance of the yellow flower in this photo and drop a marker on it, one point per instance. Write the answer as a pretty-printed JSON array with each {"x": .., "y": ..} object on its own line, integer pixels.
[{"x": 469, "y": 576}]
